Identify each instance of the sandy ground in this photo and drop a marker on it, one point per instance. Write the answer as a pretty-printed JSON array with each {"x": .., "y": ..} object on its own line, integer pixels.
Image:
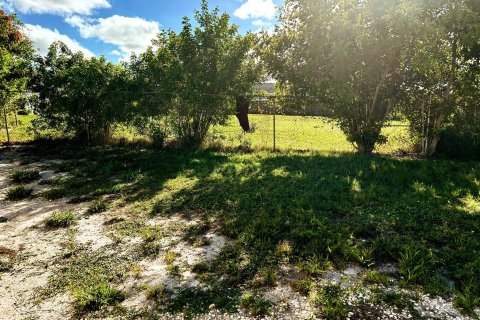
[{"x": 35, "y": 249}]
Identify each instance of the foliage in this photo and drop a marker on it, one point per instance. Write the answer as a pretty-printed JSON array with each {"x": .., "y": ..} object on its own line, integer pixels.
[
  {"x": 442, "y": 83},
  {"x": 83, "y": 97},
  {"x": 347, "y": 55},
  {"x": 15, "y": 56},
  {"x": 195, "y": 74}
]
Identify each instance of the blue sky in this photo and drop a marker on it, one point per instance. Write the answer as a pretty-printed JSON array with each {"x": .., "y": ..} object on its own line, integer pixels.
[{"x": 115, "y": 28}]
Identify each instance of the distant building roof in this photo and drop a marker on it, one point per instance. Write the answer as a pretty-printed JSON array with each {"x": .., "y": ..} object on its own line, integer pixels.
[{"x": 266, "y": 86}]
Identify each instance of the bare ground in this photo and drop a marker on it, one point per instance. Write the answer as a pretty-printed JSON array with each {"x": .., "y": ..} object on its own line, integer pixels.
[{"x": 35, "y": 251}]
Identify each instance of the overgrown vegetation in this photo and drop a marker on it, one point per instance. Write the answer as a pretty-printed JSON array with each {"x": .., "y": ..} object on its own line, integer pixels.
[{"x": 317, "y": 211}]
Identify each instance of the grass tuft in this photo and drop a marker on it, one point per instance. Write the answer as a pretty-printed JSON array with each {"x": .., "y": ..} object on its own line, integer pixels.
[
  {"x": 19, "y": 193},
  {"x": 24, "y": 176},
  {"x": 97, "y": 206},
  {"x": 61, "y": 219},
  {"x": 94, "y": 295}
]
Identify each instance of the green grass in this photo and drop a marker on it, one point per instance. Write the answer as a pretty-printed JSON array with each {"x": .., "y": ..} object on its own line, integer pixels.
[
  {"x": 317, "y": 210},
  {"x": 303, "y": 133},
  {"x": 61, "y": 219},
  {"x": 18, "y": 193},
  {"x": 24, "y": 176},
  {"x": 20, "y": 133}
]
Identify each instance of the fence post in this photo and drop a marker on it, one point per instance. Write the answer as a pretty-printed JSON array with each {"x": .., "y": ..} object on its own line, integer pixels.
[{"x": 274, "y": 128}]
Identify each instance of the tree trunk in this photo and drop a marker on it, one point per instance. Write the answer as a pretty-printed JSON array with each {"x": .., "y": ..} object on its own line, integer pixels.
[
  {"x": 6, "y": 124},
  {"x": 365, "y": 147},
  {"x": 242, "y": 112}
]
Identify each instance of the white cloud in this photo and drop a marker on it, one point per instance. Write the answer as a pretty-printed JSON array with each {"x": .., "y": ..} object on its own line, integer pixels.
[
  {"x": 128, "y": 34},
  {"x": 254, "y": 9},
  {"x": 260, "y": 23},
  {"x": 59, "y": 7},
  {"x": 42, "y": 38}
]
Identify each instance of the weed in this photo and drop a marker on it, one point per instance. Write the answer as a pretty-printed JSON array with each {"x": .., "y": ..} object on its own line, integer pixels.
[
  {"x": 61, "y": 219},
  {"x": 95, "y": 294},
  {"x": 194, "y": 231},
  {"x": 255, "y": 305},
  {"x": 55, "y": 193},
  {"x": 170, "y": 257},
  {"x": 156, "y": 293},
  {"x": 97, "y": 206},
  {"x": 265, "y": 277},
  {"x": 24, "y": 176},
  {"x": 302, "y": 286},
  {"x": 19, "y": 193},
  {"x": 414, "y": 264},
  {"x": 467, "y": 300},
  {"x": 316, "y": 266},
  {"x": 330, "y": 300},
  {"x": 375, "y": 277},
  {"x": 174, "y": 270}
]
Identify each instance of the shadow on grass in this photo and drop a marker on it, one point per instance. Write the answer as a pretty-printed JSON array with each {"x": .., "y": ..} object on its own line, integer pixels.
[
  {"x": 345, "y": 209},
  {"x": 330, "y": 209}
]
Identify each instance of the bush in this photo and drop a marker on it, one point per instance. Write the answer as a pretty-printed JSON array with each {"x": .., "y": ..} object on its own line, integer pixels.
[{"x": 457, "y": 144}]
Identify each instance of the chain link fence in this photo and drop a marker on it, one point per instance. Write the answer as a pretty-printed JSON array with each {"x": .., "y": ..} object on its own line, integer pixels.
[{"x": 277, "y": 124}]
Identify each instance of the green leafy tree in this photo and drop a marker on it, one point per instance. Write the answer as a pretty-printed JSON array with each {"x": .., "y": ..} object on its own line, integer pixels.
[
  {"x": 442, "y": 84},
  {"x": 193, "y": 77},
  {"x": 348, "y": 56},
  {"x": 15, "y": 56},
  {"x": 83, "y": 97}
]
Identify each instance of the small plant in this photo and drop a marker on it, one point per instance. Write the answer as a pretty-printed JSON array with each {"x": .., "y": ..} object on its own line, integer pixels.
[
  {"x": 19, "y": 193},
  {"x": 414, "y": 264},
  {"x": 170, "y": 257},
  {"x": 93, "y": 296},
  {"x": 150, "y": 235},
  {"x": 330, "y": 301},
  {"x": 302, "y": 286},
  {"x": 316, "y": 266},
  {"x": 97, "y": 206},
  {"x": 265, "y": 277},
  {"x": 255, "y": 305},
  {"x": 467, "y": 300},
  {"x": 284, "y": 249},
  {"x": 173, "y": 270},
  {"x": 6, "y": 264},
  {"x": 156, "y": 292},
  {"x": 375, "y": 277},
  {"x": 61, "y": 219},
  {"x": 24, "y": 176},
  {"x": 54, "y": 194}
]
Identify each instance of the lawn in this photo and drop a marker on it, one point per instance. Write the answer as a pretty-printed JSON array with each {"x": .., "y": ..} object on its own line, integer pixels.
[
  {"x": 292, "y": 133},
  {"x": 309, "y": 211},
  {"x": 304, "y": 133},
  {"x": 20, "y": 132}
]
